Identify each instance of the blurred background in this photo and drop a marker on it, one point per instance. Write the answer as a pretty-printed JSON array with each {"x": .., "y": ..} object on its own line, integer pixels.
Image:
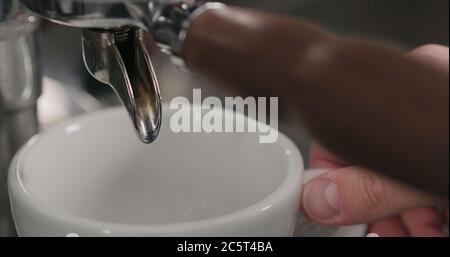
[{"x": 69, "y": 90}]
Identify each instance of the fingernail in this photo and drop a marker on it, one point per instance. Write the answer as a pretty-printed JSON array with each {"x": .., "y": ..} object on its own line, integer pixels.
[{"x": 321, "y": 200}]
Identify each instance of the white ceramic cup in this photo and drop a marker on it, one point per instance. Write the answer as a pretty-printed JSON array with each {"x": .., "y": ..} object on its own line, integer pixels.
[{"x": 92, "y": 177}]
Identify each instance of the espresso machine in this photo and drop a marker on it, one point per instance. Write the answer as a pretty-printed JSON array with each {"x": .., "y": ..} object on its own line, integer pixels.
[
  {"x": 115, "y": 49},
  {"x": 20, "y": 86}
]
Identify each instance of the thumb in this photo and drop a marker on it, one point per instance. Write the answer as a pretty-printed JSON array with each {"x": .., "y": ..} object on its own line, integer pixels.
[{"x": 354, "y": 195}]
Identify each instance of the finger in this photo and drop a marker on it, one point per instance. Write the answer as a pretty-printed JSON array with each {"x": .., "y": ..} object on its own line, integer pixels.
[
  {"x": 353, "y": 195},
  {"x": 389, "y": 227},
  {"x": 424, "y": 222},
  {"x": 434, "y": 55}
]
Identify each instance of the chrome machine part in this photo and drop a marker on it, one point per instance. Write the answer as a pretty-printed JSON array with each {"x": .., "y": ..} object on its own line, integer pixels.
[
  {"x": 113, "y": 47},
  {"x": 119, "y": 58},
  {"x": 20, "y": 86}
]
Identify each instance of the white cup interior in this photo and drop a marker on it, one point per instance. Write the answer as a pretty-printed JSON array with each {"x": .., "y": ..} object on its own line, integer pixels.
[{"x": 95, "y": 168}]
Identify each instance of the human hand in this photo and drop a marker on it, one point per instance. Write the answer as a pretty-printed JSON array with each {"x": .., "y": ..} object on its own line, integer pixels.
[{"x": 351, "y": 194}]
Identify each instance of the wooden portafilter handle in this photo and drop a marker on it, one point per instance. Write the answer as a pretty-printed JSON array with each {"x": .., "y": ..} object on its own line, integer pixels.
[{"x": 368, "y": 104}]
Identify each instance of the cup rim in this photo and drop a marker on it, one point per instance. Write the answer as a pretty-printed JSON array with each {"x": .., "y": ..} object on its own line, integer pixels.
[{"x": 292, "y": 181}]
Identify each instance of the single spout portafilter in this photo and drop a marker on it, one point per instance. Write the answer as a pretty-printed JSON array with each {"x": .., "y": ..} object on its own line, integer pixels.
[{"x": 113, "y": 48}]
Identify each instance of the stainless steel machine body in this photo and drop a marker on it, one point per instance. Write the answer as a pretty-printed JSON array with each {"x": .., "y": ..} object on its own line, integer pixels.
[{"x": 20, "y": 86}]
